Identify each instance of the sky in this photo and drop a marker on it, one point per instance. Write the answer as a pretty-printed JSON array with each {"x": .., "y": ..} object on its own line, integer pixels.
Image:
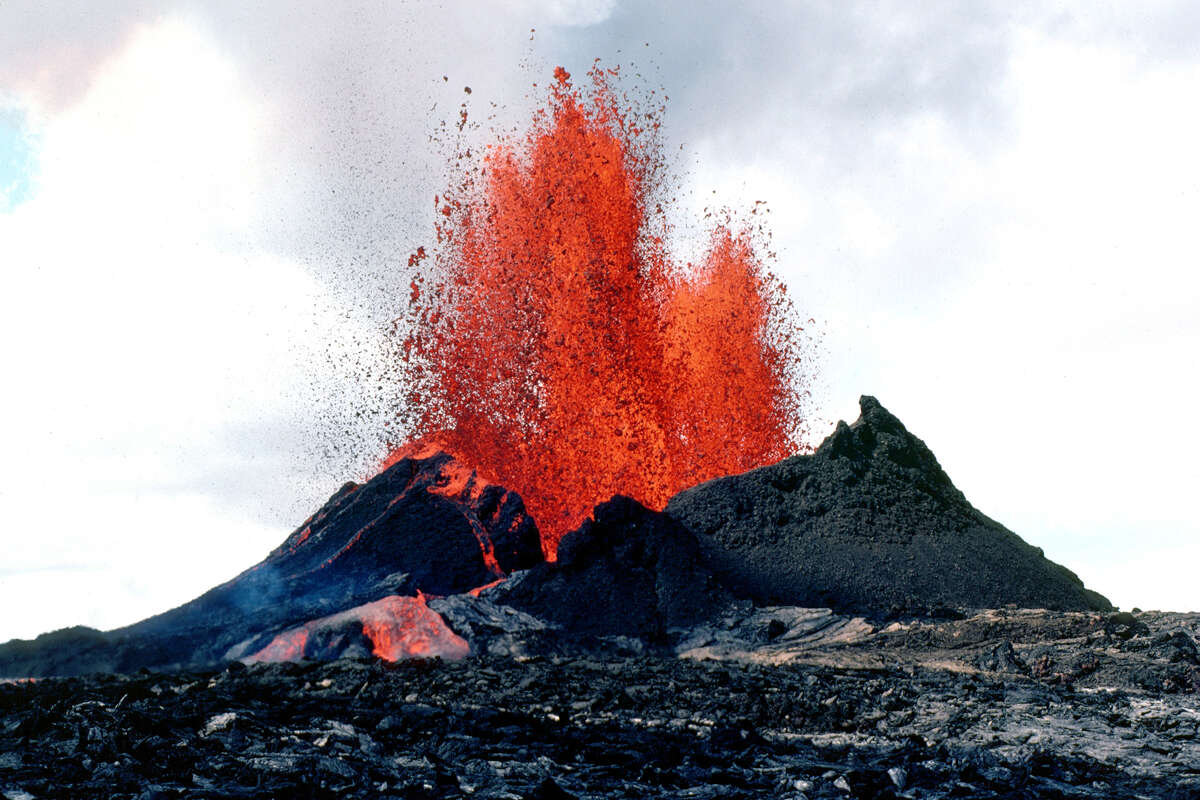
[{"x": 206, "y": 210}]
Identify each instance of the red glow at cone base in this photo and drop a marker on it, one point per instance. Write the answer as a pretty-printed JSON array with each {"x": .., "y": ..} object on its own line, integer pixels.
[
  {"x": 396, "y": 627},
  {"x": 554, "y": 345}
]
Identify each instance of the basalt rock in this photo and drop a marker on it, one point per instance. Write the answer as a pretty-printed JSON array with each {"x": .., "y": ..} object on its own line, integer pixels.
[
  {"x": 427, "y": 524},
  {"x": 869, "y": 523},
  {"x": 628, "y": 571}
]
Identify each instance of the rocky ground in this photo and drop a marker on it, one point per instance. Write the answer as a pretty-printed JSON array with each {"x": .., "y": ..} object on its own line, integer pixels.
[{"x": 780, "y": 702}]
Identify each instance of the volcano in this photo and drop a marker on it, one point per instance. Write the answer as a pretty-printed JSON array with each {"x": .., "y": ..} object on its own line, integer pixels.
[
  {"x": 426, "y": 525},
  {"x": 869, "y": 524}
]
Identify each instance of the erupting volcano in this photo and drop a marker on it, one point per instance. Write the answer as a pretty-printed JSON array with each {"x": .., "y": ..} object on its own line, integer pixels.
[
  {"x": 601, "y": 445},
  {"x": 553, "y": 342}
]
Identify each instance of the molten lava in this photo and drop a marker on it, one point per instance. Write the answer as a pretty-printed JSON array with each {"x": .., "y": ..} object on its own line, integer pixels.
[
  {"x": 394, "y": 628},
  {"x": 557, "y": 348}
]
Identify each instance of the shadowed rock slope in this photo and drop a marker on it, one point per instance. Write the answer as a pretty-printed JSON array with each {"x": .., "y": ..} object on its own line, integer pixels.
[
  {"x": 425, "y": 523},
  {"x": 869, "y": 523},
  {"x": 626, "y": 571}
]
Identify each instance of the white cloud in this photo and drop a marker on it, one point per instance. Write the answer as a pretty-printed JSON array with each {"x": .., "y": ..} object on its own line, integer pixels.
[
  {"x": 146, "y": 333},
  {"x": 573, "y": 13}
]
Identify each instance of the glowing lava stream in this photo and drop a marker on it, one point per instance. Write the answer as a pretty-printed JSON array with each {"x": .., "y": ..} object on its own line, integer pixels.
[
  {"x": 554, "y": 345},
  {"x": 395, "y": 627}
]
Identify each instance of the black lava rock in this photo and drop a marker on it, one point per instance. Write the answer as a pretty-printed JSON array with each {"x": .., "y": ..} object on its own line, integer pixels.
[
  {"x": 627, "y": 571},
  {"x": 500, "y": 728},
  {"x": 869, "y": 523},
  {"x": 1124, "y": 625},
  {"x": 1002, "y": 658},
  {"x": 429, "y": 517}
]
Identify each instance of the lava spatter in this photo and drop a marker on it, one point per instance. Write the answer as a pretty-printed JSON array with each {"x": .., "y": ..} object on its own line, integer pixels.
[{"x": 554, "y": 344}]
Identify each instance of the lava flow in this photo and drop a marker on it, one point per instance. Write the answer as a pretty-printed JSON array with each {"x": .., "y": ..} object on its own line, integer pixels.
[
  {"x": 394, "y": 628},
  {"x": 554, "y": 344}
]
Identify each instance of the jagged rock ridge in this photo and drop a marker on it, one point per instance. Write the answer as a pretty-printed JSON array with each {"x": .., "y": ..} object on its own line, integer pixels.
[
  {"x": 868, "y": 523},
  {"x": 628, "y": 571}
]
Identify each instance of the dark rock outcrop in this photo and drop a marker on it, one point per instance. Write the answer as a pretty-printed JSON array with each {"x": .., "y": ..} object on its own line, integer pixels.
[
  {"x": 428, "y": 524},
  {"x": 627, "y": 571},
  {"x": 869, "y": 523}
]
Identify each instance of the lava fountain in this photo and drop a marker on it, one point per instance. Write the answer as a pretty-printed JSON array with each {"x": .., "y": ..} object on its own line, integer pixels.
[{"x": 552, "y": 342}]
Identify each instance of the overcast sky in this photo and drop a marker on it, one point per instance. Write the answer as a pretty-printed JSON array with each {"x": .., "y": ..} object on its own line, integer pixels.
[{"x": 205, "y": 209}]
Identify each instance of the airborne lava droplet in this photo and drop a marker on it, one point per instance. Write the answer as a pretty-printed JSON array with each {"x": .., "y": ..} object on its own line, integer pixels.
[{"x": 561, "y": 351}]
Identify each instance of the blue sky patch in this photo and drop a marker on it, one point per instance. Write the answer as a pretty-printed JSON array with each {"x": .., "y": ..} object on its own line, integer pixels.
[{"x": 18, "y": 159}]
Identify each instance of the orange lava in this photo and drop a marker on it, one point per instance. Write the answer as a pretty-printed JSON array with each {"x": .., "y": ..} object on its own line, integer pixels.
[
  {"x": 397, "y": 628},
  {"x": 478, "y": 590},
  {"x": 554, "y": 345},
  {"x": 404, "y": 627},
  {"x": 287, "y": 646}
]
